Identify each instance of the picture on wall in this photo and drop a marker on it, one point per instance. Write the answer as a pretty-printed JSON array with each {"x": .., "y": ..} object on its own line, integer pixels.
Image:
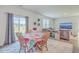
[{"x": 65, "y": 25}]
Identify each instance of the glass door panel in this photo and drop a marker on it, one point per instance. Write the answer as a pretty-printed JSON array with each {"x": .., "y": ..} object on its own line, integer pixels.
[
  {"x": 22, "y": 25},
  {"x": 16, "y": 24}
]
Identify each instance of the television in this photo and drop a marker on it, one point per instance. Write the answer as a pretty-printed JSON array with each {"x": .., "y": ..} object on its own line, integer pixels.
[{"x": 65, "y": 25}]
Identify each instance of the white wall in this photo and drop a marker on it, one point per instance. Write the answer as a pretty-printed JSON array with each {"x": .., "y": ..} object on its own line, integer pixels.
[
  {"x": 17, "y": 11},
  {"x": 2, "y": 27}
]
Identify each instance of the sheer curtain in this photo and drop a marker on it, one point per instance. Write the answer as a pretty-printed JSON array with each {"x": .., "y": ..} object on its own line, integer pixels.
[{"x": 9, "y": 36}]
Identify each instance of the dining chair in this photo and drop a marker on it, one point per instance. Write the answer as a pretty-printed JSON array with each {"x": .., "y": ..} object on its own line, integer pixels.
[
  {"x": 43, "y": 43},
  {"x": 23, "y": 43},
  {"x": 31, "y": 45}
]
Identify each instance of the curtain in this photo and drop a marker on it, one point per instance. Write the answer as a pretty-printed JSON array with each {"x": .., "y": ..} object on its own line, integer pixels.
[
  {"x": 9, "y": 36},
  {"x": 27, "y": 22}
]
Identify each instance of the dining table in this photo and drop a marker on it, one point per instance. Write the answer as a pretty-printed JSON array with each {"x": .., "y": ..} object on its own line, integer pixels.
[{"x": 33, "y": 37}]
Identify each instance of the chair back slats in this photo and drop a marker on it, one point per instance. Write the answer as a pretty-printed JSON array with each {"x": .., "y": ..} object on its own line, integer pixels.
[
  {"x": 46, "y": 36},
  {"x": 21, "y": 40}
]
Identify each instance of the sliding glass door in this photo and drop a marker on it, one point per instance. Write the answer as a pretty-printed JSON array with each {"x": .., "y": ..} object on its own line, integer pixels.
[{"x": 20, "y": 24}]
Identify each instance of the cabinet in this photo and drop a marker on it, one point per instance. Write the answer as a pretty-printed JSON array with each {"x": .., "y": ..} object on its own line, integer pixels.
[{"x": 64, "y": 34}]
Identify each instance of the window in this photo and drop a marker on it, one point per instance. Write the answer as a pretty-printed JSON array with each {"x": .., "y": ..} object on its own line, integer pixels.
[
  {"x": 46, "y": 23},
  {"x": 20, "y": 24}
]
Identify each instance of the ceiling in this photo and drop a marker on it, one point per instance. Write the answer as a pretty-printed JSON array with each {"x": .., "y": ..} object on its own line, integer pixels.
[{"x": 54, "y": 11}]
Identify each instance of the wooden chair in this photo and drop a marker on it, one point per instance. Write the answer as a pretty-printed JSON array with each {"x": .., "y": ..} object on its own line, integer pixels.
[
  {"x": 43, "y": 43},
  {"x": 22, "y": 42}
]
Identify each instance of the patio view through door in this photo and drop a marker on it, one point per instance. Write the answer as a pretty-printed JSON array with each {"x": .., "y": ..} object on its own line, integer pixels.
[{"x": 20, "y": 24}]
